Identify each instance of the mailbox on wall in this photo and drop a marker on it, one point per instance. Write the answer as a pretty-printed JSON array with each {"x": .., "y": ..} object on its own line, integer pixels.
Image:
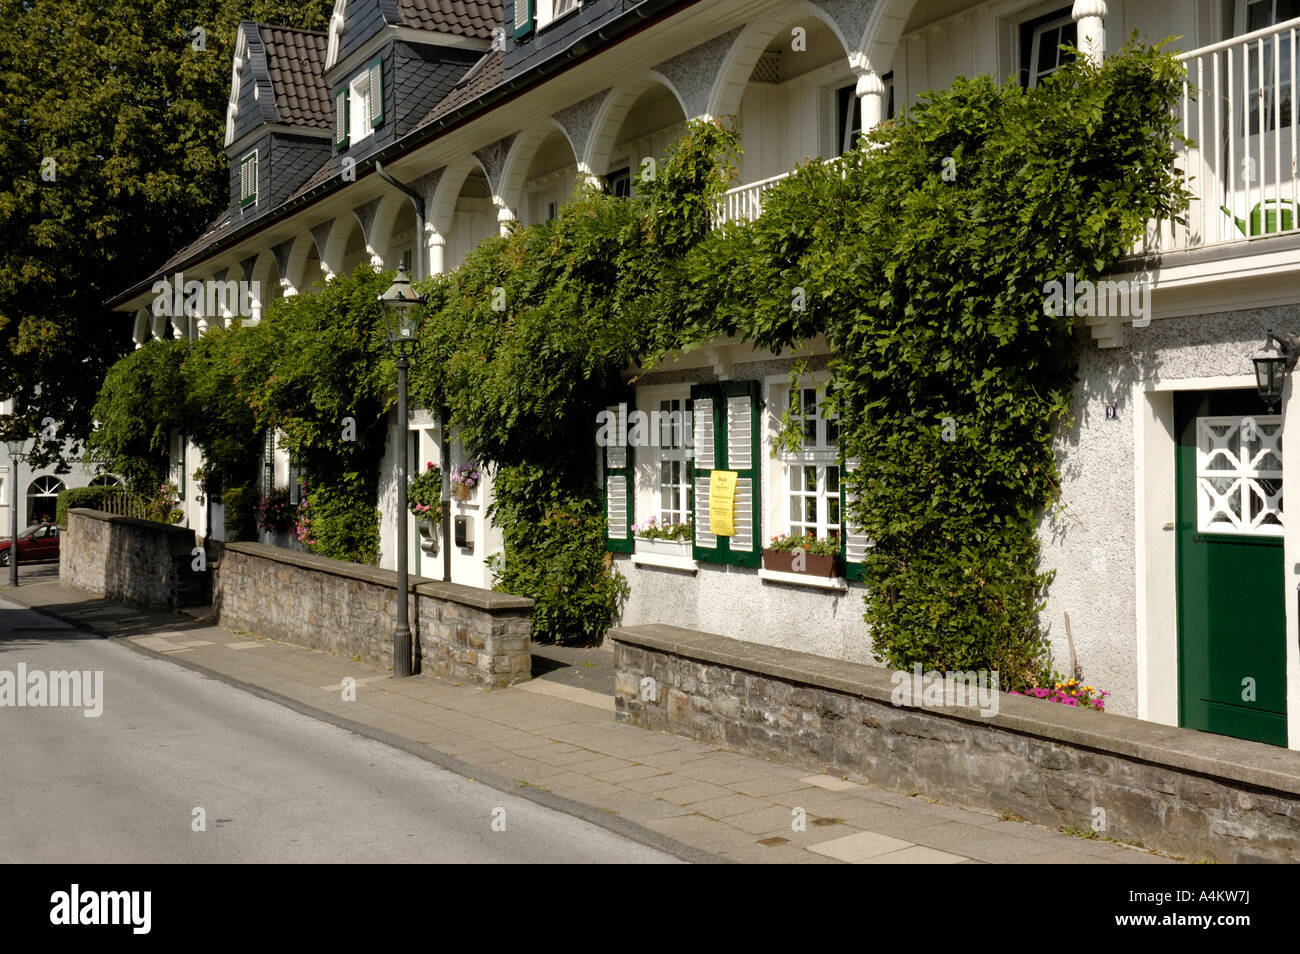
[{"x": 465, "y": 532}]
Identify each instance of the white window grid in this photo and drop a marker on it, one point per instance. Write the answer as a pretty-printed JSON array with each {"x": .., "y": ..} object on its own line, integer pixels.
[
  {"x": 672, "y": 470},
  {"x": 812, "y": 474},
  {"x": 359, "y": 108},
  {"x": 1046, "y": 55}
]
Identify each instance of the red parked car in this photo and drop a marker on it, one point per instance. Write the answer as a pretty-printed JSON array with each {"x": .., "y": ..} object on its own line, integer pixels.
[{"x": 38, "y": 542}]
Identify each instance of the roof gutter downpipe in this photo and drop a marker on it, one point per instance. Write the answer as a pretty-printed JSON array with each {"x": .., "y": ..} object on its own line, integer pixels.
[{"x": 417, "y": 260}]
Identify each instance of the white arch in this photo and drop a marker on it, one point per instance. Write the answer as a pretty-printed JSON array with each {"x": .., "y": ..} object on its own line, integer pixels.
[
  {"x": 380, "y": 240},
  {"x": 295, "y": 278},
  {"x": 442, "y": 211},
  {"x": 336, "y": 244},
  {"x": 522, "y": 153},
  {"x": 738, "y": 65},
  {"x": 610, "y": 117},
  {"x": 884, "y": 29}
]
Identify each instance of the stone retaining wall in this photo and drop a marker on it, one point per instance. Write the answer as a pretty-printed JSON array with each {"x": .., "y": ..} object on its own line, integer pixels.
[
  {"x": 460, "y": 632},
  {"x": 136, "y": 561},
  {"x": 1184, "y": 792}
]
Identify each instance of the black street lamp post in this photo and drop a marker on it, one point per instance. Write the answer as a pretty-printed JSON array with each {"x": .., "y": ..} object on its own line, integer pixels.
[
  {"x": 403, "y": 309},
  {"x": 15, "y": 446}
]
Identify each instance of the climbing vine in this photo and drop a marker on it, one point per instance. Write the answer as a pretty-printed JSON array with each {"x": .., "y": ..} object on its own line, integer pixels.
[{"x": 921, "y": 259}]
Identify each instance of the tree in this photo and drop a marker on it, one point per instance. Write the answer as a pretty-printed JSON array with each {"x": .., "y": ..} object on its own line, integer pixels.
[{"x": 111, "y": 131}]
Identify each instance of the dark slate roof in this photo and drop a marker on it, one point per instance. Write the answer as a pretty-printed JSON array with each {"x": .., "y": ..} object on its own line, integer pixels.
[
  {"x": 486, "y": 73},
  {"x": 329, "y": 168},
  {"x": 295, "y": 62},
  {"x": 471, "y": 18},
  {"x": 214, "y": 230}
]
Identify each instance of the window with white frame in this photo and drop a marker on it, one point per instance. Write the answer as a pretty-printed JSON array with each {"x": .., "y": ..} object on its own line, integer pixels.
[
  {"x": 359, "y": 127},
  {"x": 1040, "y": 45},
  {"x": 671, "y": 463},
  {"x": 812, "y": 474},
  {"x": 548, "y": 11},
  {"x": 1267, "y": 59}
]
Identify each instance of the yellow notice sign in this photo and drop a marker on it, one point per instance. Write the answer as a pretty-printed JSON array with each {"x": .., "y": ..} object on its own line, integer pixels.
[{"x": 722, "y": 503}]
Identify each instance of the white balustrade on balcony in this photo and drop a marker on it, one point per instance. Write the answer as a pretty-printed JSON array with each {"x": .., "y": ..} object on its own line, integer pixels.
[{"x": 1240, "y": 113}]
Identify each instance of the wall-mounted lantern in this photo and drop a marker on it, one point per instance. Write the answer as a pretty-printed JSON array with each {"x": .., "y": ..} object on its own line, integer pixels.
[{"x": 1272, "y": 364}]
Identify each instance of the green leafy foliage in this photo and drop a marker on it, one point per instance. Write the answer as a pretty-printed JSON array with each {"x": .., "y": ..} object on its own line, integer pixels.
[
  {"x": 94, "y": 498},
  {"x": 315, "y": 368},
  {"x": 930, "y": 290},
  {"x": 240, "y": 507},
  {"x": 530, "y": 337},
  {"x": 112, "y": 151},
  {"x": 142, "y": 401}
]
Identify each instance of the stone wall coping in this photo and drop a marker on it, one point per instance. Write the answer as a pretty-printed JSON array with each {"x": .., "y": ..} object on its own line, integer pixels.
[
  {"x": 152, "y": 525},
  {"x": 1250, "y": 763},
  {"x": 489, "y": 600}
]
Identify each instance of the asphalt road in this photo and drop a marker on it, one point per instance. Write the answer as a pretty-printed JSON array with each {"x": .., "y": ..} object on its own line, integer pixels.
[{"x": 274, "y": 785}]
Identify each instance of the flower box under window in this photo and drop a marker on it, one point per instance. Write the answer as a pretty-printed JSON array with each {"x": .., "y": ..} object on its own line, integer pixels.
[
  {"x": 783, "y": 561},
  {"x": 664, "y": 547}
]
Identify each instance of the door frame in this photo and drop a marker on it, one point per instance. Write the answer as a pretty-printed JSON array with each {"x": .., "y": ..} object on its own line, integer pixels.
[{"x": 1155, "y": 556}]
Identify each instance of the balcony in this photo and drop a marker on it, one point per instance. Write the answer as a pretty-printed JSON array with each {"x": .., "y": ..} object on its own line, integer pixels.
[{"x": 1239, "y": 112}]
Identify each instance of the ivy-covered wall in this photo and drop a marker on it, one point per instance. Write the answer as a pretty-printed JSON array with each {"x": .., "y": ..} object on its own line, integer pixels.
[{"x": 921, "y": 258}]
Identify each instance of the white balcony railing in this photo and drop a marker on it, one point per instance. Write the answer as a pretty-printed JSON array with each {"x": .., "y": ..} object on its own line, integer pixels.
[
  {"x": 1239, "y": 110},
  {"x": 744, "y": 203}
]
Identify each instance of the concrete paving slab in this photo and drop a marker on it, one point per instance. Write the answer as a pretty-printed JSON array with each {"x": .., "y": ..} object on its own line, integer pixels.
[{"x": 858, "y": 847}]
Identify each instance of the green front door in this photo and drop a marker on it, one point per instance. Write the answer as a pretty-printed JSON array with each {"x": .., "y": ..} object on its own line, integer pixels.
[{"x": 1231, "y": 599}]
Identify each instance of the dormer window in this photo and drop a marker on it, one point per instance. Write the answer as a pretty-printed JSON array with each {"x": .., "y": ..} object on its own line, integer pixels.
[
  {"x": 548, "y": 11},
  {"x": 359, "y": 106},
  {"x": 248, "y": 180}
]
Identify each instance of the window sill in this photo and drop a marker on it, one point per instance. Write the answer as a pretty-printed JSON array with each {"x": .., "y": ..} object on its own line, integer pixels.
[
  {"x": 802, "y": 579},
  {"x": 666, "y": 562}
]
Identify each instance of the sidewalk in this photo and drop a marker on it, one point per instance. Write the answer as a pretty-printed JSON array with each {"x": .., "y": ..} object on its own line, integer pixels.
[{"x": 554, "y": 740}]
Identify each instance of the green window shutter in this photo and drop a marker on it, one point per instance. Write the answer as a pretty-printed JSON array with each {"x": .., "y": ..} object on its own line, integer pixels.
[
  {"x": 745, "y": 547},
  {"x": 376, "y": 92},
  {"x": 725, "y": 418},
  {"x": 248, "y": 180},
  {"x": 523, "y": 18},
  {"x": 617, "y": 461},
  {"x": 341, "y": 118},
  {"x": 853, "y": 551}
]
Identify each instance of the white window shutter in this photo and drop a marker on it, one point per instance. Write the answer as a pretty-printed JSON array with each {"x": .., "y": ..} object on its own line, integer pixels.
[
  {"x": 376, "y": 82},
  {"x": 616, "y": 497},
  {"x": 702, "y": 418},
  {"x": 856, "y": 543},
  {"x": 341, "y": 118},
  {"x": 740, "y": 445},
  {"x": 703, "y": 538}
]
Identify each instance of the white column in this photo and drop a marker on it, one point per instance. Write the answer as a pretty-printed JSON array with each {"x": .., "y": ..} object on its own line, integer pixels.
[
  {"x": 504, "y": 218},
  {"x": 437, "y": 244},
  {"x": 871, "y": 93},
  {"x": 1090, "y": 15}
]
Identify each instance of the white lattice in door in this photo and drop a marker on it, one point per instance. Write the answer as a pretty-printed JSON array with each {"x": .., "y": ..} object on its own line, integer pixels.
[{"x": 1239, "y": 475}]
